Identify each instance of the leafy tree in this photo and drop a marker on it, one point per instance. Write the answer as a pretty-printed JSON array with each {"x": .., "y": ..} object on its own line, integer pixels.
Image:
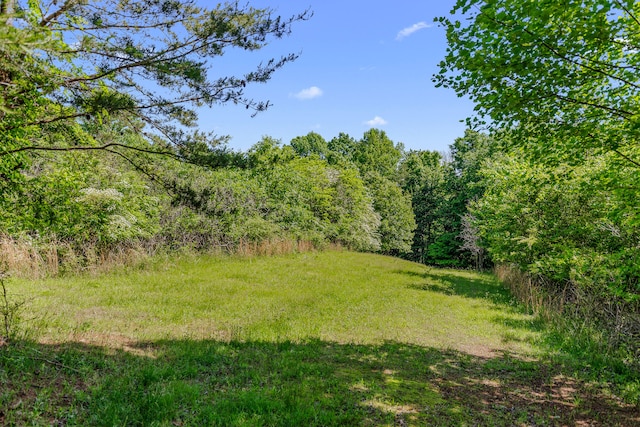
[
  {"x": 555, "y": 223},
  {"x": 560, "y": 77},
  {"x": 341, "y": 148},
  {"x": 378, "y": 159},
  {"x": 268, "y": 153},
  {"x": 422, "y": 175},
  {"x": 311, "y": 143},
  {"x": 223, "y": 207},
  {"x": 82, "y": 199},
  {"x": 310, "y": 199},
  {"x": 558, "y": 82},
  {"x": 376, "y": 153},
  {"x": 397, "y": 221},
  {"x": 463, "y": 184},
  {"x": 359, "y": 224},
  {"x": 441, "y": 190},
  {"x": 468, "y": 155}
]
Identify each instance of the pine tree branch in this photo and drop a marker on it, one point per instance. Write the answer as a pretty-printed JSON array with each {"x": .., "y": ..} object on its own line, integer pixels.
[{"x": 65, "y": 7}]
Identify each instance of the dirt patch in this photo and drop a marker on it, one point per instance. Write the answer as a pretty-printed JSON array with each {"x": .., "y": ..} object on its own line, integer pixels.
[
  {"x": 478, "y": 350},
  {"x": 111, "y": 342},
  {"x": 534, "y": 396}
]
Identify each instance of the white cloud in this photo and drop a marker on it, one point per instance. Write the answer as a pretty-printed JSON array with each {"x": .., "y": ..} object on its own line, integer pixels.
[
  {"x": 406, "y": 32},
  {"x": 376, "y": 121},
  {"x": 310, "y": 93}
]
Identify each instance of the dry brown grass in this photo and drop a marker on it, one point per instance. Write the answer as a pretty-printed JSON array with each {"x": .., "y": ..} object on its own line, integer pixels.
[
  {"x": 31, "y": 258},
  {"x": 24, "y": 258},
  {"x": 528, "y": 290},
  {"x": 571, "y": 302}
]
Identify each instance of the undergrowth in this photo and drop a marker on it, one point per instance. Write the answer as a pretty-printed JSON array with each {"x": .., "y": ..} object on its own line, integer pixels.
[
  {"x": 586, "y": 331},
  {"x": 37, "y": 258}
]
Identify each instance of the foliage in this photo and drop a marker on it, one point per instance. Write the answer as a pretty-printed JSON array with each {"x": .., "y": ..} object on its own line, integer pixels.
[
  {"x": 376, "y": 153},
  {"x": 341, "y": 148},
  {"x": 377, "y": 159},
  {"x": 560, "y": 77},
  {"x": 75, "y": 210},
  {"x": 422, "y": 176},
  {"x": 92, "y": 199},
  {"x": 557, "y": 225},
  {"x": 310, "y": 198},
  {"x": 396, "y": 216},
  {"x": 148, "y": 59},
  {"x": 562, "y": 83},
  {"x": 557, "y": 83},
  {"x": 440, "y": 189},
  {"x": 345, "y": 190},
  {"x": 463, "y": 185},
  {"x": 97, "y": 200},
  {"x": 278, "y": 194},
  {"x": 311, "y": 143},
  {"x": 119, "y": 76}
]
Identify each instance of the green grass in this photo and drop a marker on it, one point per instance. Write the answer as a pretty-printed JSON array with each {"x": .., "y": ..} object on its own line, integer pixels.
[
  {"x": 331, "y": 338},
  {"x": 332, "y": 296}
]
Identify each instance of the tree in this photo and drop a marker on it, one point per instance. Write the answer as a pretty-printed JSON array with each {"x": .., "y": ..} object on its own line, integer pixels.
[
  {"x": 342, "y": 145},
  {"x": 441, "y": 190},
  {"x": 144, "y": 62},
  {"x": 462, "y": 185},
  {"x": 378, "y": 159},
  {"x": 558, "y": 83},
  {"x": 312, "y": 200},
  {"x": 376, "y": 153},
  {"x": 422, "y": 176},
  {"x": 397, "y": 221},
  {"x": 471, "y": 241},
  {"x": 561, "y": 77},
  {"x": 555, "y": 223},
  {"x": 311, "y": 143},
  {"x": 268, "y": 153}
]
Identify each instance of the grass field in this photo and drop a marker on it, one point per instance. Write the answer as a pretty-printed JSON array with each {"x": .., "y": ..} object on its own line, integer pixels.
[{"x": 329, "y": 338}]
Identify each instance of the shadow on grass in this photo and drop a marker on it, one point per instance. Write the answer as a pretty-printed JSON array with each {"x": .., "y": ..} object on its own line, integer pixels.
[
  {"x": 463, "y": 283},
  {"x": 186, "y": 382},
  {"x": 577, "y": 349}
]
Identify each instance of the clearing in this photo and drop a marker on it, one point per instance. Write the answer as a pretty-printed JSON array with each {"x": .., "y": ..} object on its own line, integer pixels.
[{"x": 327, "y": 338}]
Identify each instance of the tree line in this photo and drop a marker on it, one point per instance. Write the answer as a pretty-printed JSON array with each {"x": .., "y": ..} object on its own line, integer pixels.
[
  {"x": 99, "y": 103},
  {"x": 367, "y": 194}
]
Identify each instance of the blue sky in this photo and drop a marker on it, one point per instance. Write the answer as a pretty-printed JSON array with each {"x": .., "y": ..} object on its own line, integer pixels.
[{"x": 363, "y": 64}]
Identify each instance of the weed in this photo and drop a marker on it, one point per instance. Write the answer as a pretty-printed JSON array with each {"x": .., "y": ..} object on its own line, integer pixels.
[{"x": 10, "y": 311}]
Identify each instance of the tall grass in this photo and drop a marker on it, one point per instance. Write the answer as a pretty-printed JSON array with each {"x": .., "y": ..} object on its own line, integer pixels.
[
  {"x": 316, "y": 339},
  {"x": 590, "y": 323},
  {"x": 531, "y": 292},
  {"x": 34, "y": 258}
]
